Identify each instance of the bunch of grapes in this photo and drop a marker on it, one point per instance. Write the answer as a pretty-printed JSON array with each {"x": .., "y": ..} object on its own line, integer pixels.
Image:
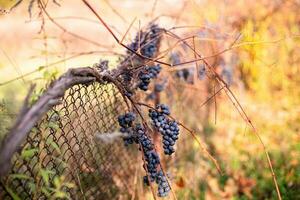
[
  {"x": 163, "y": 185},
  {"x": 127, "y": 76},
  {"x": 146, "y": 75},
  {"x": 148, "y": 41},
  {"x": 158, "y": 87},
  {"x": 150, "y": 155},
  {"x": 227, "y": 74},
  {"x": 126, "y": 123},
  {"x": 152, "y": 162},
  {"x": 183, "y": 73},
  {"x": 168, "y": 128},
  {"x": 188, "y": 73},
  {"x": 149, "y": 50},
  {"x": 136, "y": 133}
]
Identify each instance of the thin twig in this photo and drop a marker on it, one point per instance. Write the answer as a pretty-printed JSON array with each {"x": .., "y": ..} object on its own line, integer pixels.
[
  {"x": 67, "y": 31},
  {"x": 128, "y": 30},
  {"x": 244, "y": 115}
]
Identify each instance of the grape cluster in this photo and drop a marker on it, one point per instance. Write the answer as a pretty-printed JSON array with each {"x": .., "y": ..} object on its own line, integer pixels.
[
  {"x": 127, "y": 76},
  {"x": 126, "y": 123},
  {"x": 227, "y": 74},
  {"x": 152, "y": 164},
  {"x": 128, "y": 93},
  {"x": 135, "y": 132},
  {"x": 188, "y": 73},
  {"x": 163, "y": 185},
  {"x": 148, "y": 41},
  {"x": 183, "y": 74},
  {"x": 150, "y": 155},
  {"x": 153, "y": 161},
  {"x": 146, "y": 75},
  {"x": 150, "y": 47},
  {"x": 168, "y": 128},
  {"x": 201, "y": 72},
  {"x": 149, "y": 50}
]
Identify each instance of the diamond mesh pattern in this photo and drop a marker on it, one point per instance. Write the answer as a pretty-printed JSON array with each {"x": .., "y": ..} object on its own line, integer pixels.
[{"x": 61, "y": 154}]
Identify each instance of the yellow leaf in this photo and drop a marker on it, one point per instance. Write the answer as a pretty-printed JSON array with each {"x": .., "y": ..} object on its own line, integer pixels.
[{"x": 6, "y": 5}]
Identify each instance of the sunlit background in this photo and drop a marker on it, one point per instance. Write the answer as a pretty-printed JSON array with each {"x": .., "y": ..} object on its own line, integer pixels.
[{"x": 257, "y": 42}]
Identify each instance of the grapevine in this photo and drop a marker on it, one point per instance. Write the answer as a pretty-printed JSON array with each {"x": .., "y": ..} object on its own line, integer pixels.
[
  {"x": 132, "y": 130},
  {"x": 140, "y": 76},
  {"x": 137, "y": 133}
]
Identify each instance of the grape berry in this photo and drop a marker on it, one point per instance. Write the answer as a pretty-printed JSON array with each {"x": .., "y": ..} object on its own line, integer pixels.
[
  {"x": 148, "y": 42},
  {"x": 168, "y": 128},
  {"x": 126, "y": 123},
  {"x": 163, "y": 185},
  {"x": 150, "y": 155},
  {"x": 146, "y": 75}
]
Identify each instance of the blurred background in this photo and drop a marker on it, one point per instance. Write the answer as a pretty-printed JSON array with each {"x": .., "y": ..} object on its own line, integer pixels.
[{"x": 253, "y": 45}]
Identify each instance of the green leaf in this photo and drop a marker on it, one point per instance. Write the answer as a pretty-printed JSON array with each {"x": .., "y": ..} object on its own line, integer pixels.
[
  {"x": 28, "y": 153},
  {"x": 53, "y": 126},
  {"x": 46, "y": 191},
  {"x": 40, "y": 68},
  {"x": 12, "y": 194},
  {"x": 64, "y": 164},
  {"x": 54, "y": 145},
  {"x": 20, "y": 176},
  {"x": 61, "y": 194},
  {"x": 32, "y": 186},
  {"x": 69, "y": 185},
  {"x": 45, "y": 175},
  {"x": 56, "y": 182}
]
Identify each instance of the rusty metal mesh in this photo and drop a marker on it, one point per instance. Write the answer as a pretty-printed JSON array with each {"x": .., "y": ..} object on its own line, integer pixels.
[{"x": 62, "y": 157}]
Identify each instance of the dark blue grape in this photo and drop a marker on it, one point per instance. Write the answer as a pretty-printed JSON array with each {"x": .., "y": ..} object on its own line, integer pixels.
[
  {"x": 174, "y": 58},
  {"x": 146, "y": 180},
  {"x": 128, "y": 93},
  {"x": 126, "y": 123},
  {"x": 227, "y": 74},
  {"x": 146, "y": 75},
  {"x": 148, "y": 41},
  {"x": 168, "y": 128},
  {"x": 158, "y": 87},
  {"x": 202, "y": 72},
  {"x": 163, "y": 185},
  {"x": 152, "y": 160},
  {"x": 149, "y": 50},
  {"x": 183, "y": 74}
]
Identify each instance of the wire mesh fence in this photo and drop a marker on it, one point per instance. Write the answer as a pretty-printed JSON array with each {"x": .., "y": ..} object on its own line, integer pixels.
[{"x": 62, "y": 157}]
